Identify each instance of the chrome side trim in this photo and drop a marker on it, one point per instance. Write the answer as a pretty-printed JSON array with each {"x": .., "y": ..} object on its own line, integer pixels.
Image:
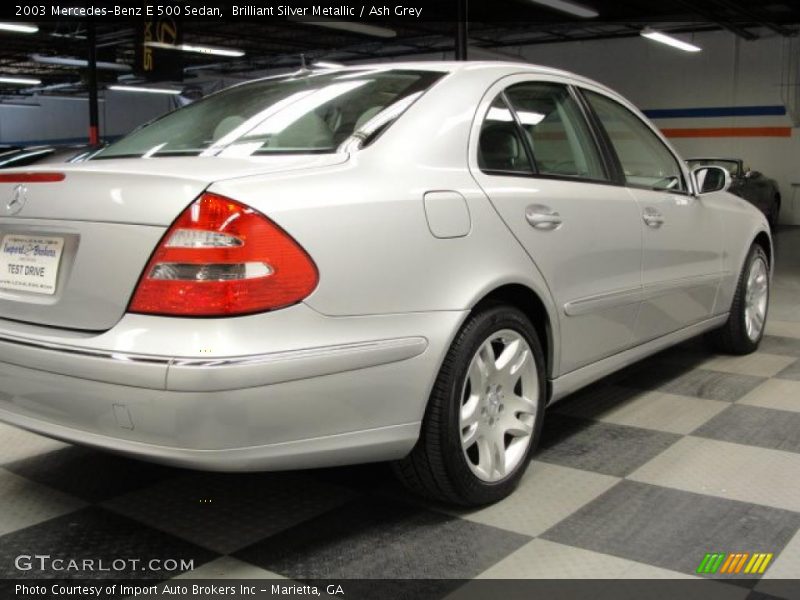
[
  {"x": 591, "y": 304},
  {"x": 204, "y": 374},
  {"x": 575, "y": 380},
  {"x": 663, "y": 288},
  {"x": 619, "y": 298}
]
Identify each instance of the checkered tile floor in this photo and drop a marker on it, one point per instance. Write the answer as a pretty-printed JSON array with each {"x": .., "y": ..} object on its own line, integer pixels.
[{"x": 636, "y": 477}]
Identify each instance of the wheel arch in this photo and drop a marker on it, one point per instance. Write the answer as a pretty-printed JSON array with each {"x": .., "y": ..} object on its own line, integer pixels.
[
  {"x": 533, "y": 306},
  {"x": 762, "y": 239}
]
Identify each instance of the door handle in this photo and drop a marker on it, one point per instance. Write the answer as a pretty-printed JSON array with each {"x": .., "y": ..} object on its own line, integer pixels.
[
  {"x": 652, "y": 217},
  {"x": 542, "y": 217}
]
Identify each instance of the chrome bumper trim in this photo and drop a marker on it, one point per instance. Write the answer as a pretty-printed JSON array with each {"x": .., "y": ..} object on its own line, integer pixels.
[
  {"x": 194, "y": 375},
  {"x": 204, "y": 374},
  {"x": 78, "y": 351}
]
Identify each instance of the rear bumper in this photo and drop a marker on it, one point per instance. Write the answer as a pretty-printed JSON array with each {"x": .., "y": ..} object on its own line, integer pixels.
[
  {"x": 372, "y": 445},
  {"x": 318, "y": 405}
]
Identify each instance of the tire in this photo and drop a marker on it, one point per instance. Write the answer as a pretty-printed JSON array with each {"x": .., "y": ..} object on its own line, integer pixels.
[
  {"x": 739, "y": 334},
  {"x": 774, "y": 215},
  {"x": 474, "y": 409}
]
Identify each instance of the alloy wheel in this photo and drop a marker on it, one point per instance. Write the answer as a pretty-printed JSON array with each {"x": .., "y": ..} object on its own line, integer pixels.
[
  {"x": 499, "y": 404},
  {"x": 756, "y": 298}
]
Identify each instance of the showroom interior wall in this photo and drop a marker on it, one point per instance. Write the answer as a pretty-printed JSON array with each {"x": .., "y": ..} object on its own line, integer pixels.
[
  {"x": 729, "y": 72},
  {"x": 66, "y": 119}
]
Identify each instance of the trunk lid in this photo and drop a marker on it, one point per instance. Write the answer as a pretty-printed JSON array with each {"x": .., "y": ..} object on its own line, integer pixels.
[
  {"x": 72, "y": 252},
  {"x": 141, "y": 191}
]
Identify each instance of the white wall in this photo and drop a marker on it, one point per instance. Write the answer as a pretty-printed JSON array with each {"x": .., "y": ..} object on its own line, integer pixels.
[{"x": 47, "y": 119}]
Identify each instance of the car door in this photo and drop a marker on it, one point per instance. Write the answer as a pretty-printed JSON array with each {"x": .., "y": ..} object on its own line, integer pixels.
[
  {"x": 539, "y": 162},
  {"x": 681, "y": 233}
]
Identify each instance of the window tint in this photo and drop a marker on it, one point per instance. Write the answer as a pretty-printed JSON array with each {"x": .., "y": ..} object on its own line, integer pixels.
[
  {"x": 559, "y": 137},
  {"x": 645, "y": 159},
  {"x": 501, "y": 147}
]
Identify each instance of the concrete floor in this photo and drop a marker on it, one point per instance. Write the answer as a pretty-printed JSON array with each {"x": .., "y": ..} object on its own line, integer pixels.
[{"x": 639, "y": 476}]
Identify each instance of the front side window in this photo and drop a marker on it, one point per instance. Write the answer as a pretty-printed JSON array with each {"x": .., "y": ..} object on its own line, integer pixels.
[
  {"x": 645, "y": 160},
  {"x": 310, "y": 112},
  {"x": 557, "y": 133}
]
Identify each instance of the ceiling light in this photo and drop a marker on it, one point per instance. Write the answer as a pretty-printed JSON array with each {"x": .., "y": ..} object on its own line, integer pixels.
[
  {"x": 71, "y": 36},
  {"x": 19, "y": 27},
  {"x": 20, "y": 80},
  {"x": 20, "y": 104},
  {"x": 198, "y": 49},
  {"x": 363, "y": 28},
  {"x": 323, "y": 64},
  {"x": 78, "y": 62},
  {"x": 663, "y": 38},
  {"x": 530, "y": 118},
  {"x": 569, "y": 7},
  {"x": 143, "y": 90}
]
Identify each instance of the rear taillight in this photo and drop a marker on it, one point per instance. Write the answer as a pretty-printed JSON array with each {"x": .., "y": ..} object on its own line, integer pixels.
[{"x": 222, "y": 258}]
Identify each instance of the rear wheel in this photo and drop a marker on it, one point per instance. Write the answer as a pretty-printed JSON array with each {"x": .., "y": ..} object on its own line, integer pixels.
[
  {"x": 744, "y": 329},
  {"x": 484, "y": 414}
]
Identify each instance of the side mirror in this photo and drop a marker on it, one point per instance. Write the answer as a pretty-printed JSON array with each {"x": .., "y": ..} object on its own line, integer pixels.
[{"x": 711, "y": 179}]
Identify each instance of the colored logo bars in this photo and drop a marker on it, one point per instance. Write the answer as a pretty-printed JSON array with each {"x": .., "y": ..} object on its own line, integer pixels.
[{"x": 735, "y": 563}]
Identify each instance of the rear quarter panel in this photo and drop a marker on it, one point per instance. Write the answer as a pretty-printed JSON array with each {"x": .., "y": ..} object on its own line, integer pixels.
[{"x": 365, "y": 226}]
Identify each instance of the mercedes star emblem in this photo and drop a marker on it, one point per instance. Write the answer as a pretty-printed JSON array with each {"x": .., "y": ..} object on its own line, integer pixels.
[{"x": 18, "y": 199}]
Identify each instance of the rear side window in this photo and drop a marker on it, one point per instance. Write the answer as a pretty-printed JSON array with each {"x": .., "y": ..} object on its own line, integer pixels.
[
  {"x": 501, "y": 148},
  {"x": 645, "y": 160},
  {"x": 559, "y": 138}
]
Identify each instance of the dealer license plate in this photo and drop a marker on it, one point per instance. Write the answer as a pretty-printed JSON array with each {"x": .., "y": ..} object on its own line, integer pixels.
[{"x": 29, "y": 263}]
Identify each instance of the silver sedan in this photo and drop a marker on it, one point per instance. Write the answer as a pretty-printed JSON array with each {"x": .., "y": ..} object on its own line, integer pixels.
[{"x": 403, "y": 262}]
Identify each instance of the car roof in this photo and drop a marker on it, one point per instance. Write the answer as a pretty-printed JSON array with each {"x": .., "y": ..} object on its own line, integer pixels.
[{"x": 499, "y": 67}]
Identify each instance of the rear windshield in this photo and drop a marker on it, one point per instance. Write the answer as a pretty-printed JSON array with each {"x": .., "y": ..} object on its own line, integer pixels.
[{"x": 310, "y": 112}]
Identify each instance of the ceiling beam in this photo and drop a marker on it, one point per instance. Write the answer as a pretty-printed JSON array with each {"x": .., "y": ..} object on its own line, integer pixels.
[
  {"x": 735, "y": 29},
  {"x": 744, "y": 12}
]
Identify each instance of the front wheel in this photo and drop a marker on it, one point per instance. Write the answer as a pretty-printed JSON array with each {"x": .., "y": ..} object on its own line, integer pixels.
[
  {"x": 744, "y": 329},
  {"x": 484, "y": 414},
  {"x": 774, "y": 213}
]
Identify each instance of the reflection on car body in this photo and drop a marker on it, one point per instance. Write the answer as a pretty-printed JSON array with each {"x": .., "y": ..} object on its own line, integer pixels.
[{"x": 23, "y": 156}]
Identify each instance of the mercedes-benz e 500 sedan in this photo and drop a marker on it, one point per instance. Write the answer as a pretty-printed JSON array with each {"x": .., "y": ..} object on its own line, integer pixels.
[{"x": 402, "y": 262}]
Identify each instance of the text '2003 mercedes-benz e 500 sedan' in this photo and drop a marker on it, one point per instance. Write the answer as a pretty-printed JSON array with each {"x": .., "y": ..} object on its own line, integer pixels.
[{"x": 400, "y": 262}]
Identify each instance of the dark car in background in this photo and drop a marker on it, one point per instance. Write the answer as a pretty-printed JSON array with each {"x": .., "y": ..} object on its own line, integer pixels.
[{"x": 751, "y": 185}]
